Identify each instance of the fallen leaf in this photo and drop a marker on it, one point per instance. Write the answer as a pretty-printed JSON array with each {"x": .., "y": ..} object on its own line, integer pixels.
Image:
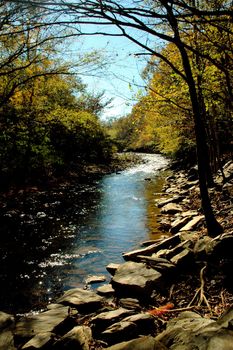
[{"x": 161, "y": 310}]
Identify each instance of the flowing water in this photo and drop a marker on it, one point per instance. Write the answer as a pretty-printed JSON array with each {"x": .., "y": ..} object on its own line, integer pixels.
[{"x": 75, "y": 233}]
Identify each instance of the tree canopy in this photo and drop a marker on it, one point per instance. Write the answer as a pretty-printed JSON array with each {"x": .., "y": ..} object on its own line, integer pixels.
[{"x": 48, "y": 119}]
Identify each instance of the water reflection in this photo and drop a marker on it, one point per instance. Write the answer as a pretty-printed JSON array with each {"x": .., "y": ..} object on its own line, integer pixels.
[
  {"x": 76, "y": 234},
  {"x": 124, "y": 217}
]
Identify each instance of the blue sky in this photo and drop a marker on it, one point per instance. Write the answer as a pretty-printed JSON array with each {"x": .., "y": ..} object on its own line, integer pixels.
[{"x": 121, "y": 75}]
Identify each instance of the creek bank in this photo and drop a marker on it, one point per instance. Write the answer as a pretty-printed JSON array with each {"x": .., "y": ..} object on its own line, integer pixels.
[
  {"x": 55, "y": 188},
  {"x": 75, "y": 173},
  {"x": 173, "y": 293}
]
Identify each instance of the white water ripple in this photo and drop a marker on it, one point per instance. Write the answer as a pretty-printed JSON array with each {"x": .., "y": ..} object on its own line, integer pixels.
[{"x": 153, "y": 162}]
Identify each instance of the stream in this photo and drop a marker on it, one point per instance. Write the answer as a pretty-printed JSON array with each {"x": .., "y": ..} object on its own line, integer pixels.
[{"x": 51, "y": 242}]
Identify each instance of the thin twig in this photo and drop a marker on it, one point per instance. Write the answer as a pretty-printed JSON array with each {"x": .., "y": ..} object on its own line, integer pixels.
[{"x": 183, "y": 309}]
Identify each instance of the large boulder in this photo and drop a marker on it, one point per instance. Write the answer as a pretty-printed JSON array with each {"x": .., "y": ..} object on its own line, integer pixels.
[
  {"x": 78, "y": 338},
  {"x": 82, "y": 300},
  {"x": 190, "y": 331},
  {"x": 135, "y": 279},
  {"x": 179, "y": 332},
  {"x": 47, "y": 321}
]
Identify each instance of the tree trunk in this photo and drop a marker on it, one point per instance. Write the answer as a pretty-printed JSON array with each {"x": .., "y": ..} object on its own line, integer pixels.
[{"x": 213, "y": 227}]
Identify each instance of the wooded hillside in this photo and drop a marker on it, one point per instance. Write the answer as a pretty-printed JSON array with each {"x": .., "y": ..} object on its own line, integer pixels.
[{"x": 48, "y": 119}]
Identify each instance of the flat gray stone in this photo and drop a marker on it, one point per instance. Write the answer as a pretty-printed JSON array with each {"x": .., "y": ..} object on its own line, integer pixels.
[
  {"x": 39, "y": 341},
  {"x": 95, "y": 279},
  {"x": 160, "y": 264},
  {"x": 189, "y": 213},
  {"x": 142, "y": 343},
  {"x": 170, "y": 253},
  {"x": 222, "y": 340},
  {"x": 171, "y": 208},
  {"x": 153, "y": 241},
  {"x": 6, "y": 320},
  {"x": 111, "y": 268},
  {"x": 47, "y": 321},
  {"x": 182, "y": 258},
  {"x": 193, "y": 223},
  {"x": 54, "y": 306},
  {"x": 179, "y": 223},
  {"x": 144, "y": 322},
  {"x": 189, "y": 184},
  {"x": 226, "y": 319},
  {"x": 175, "y": 199},
  {"x": 82, "y": 300},
  {"x": 129, "y": 303},
  {"x": 106, "y": 290},
  {"x": 201, "y": 246},
  {"x": 153, "y": 259},
  {"x": 153, "y": 248},
  {"x": 121, "y": 330},
  {"x": 133, "y": 278},
  {"x": 105, "y": 319},
  {"x": 165, "y": 224},
  {"x": 6, "y": 340},
  {"x": 191, "y": 331},
  {"x": 78, "y": 338},
  {"x": 179, "y": 331}
]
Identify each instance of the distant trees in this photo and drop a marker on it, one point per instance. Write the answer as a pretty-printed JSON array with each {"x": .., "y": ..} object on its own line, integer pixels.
[{"x": 43, "y": 130}]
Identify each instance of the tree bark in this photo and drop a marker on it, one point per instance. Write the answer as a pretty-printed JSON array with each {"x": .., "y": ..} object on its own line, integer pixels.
[{"x": 213, "y": 227}]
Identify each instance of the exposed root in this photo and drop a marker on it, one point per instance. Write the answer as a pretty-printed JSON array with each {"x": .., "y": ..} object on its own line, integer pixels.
[
  {"x": 200, "y": 292},
  {"x": 171, "y": 291}
]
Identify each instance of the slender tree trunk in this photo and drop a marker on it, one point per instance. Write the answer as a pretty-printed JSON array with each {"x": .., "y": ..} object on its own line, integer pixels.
[
  {"x": 213, "y": 227},
  {"x": 198, "y": 62},
  {"x": 210, "y": 155}
]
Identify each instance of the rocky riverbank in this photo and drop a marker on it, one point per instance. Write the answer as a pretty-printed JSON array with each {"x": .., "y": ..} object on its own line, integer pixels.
[{"x": 173, "y": 293}]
